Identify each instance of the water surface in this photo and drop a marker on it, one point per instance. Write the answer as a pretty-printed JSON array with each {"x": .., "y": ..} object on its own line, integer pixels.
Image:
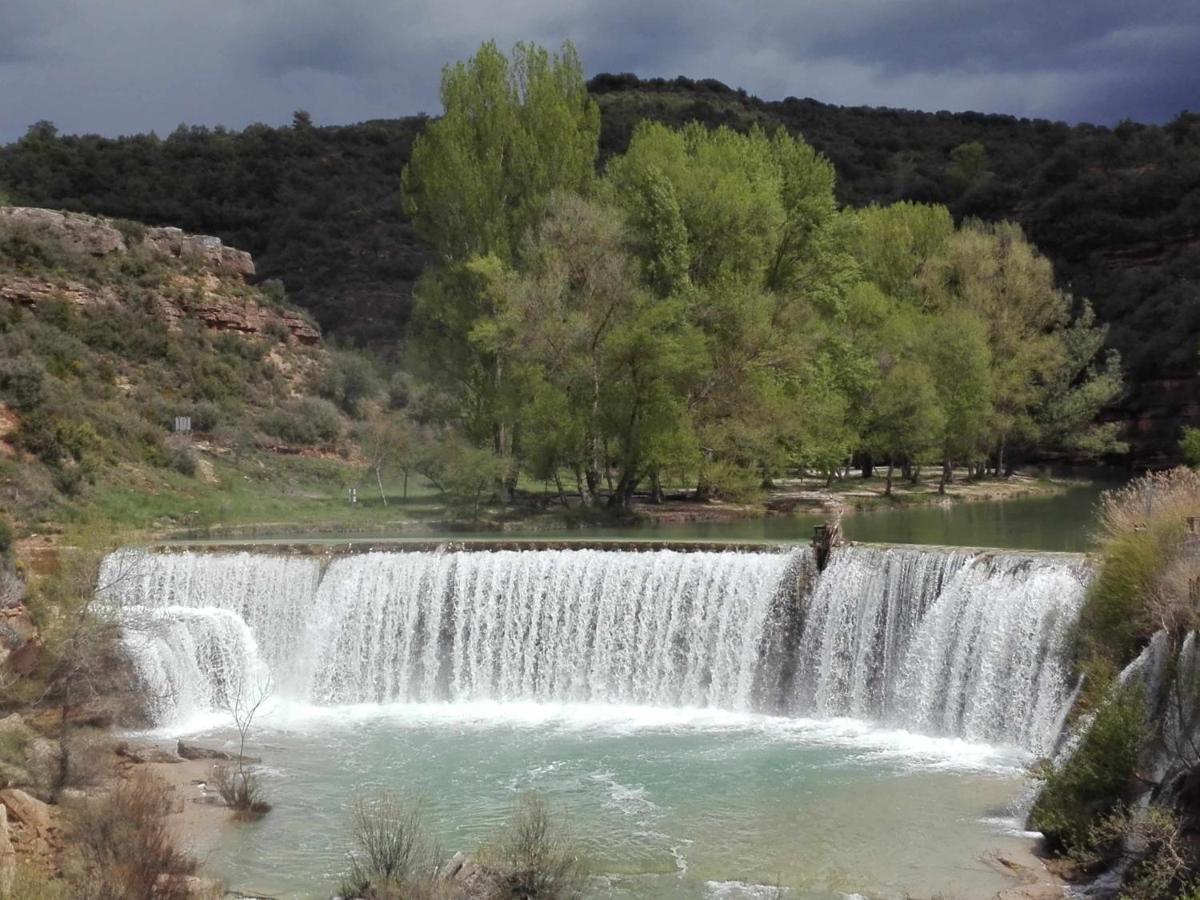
[{"x": 666, "y": 803}]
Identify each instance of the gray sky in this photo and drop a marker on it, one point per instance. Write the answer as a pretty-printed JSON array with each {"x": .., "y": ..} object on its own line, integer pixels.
[{"x": 125, "y": 66}]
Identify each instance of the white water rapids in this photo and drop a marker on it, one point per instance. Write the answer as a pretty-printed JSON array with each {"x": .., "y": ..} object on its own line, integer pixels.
[{"x": 954, "y": 643}]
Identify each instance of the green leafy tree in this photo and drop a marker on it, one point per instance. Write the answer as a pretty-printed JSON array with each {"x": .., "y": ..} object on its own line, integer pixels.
[
  {"x": 513, "y": 131},
  {"x": 968, "y": 164},
  {"x": 1189, "y": 446},
  {"x": 956, "y": 350},
  {"x": 908, "y": 418}
]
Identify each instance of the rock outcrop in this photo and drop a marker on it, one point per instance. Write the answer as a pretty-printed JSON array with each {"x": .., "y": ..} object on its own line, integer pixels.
[
  {"x": 96, "y": 236},
  {"x": 209, "y": 286},
  {"x": 20, "y": 644}
]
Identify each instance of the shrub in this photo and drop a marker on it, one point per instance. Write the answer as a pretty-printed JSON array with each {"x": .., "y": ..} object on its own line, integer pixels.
[
  {"x": 8, "y": 537},
  {"x": 242, "y": 792},
  {"x": 21, "y": 381},
  {"x": 393, "y": 854},
  {"x": 349, "y": 381},
  {"x": 206, "y": 416},
  {"x": 1159, "y": 853},
  {"x": 182, "y": 458},
  {"x": 471, "y": 476},
  {"x": 124, "y": 845},
  {"x": 1096, "y": 778},
  {"x": 306, "y": 421},
  {"x": 1189, "y": 446},
  {"x": 538, "y": 857},
  {"x": 1141, "y": 585}
]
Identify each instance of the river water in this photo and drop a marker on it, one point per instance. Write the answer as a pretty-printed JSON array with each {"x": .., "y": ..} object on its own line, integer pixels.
[{"x": 700, "y": 740}]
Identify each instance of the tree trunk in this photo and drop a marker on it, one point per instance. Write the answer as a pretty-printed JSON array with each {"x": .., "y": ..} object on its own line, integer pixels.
[
  {"x": 947, "y": 475},
  {"x": 379, "y": 481},
  {"x": 914, "y": 475},
  {"x": 656, "y": 491},
  {"x": 887, "y": 491},
  {"x": 562, "y": 495},
  {"x": 1000, "y": 458},
  {"x": 406, "y": 484},
  {"x": 868, "y": 466}
]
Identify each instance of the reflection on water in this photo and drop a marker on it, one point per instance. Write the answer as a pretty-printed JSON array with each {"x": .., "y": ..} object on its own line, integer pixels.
[{"x": 1061, "y": 522}]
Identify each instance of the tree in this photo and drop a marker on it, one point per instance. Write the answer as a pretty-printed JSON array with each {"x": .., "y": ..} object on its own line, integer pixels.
[
  {"x": 1189, "y": 446},
  {"x": 389, "y": 442},
  {"x": 956, "y": 350},
  {"x": 993, "y": 272},
  {"x": 563, "y": 315},
  {"x": 513, "y": 131},
  {"x": 968, "y": 164},
  {"x": 908, "y": 418},
  {"x": 239, "y": 788},
  {"x": 1087, "y": 380}
]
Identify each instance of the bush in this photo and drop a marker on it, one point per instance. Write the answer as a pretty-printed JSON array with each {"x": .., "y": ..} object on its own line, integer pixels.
[
  {"x": 306, "y": 421},
  {"x": 8, "y": 536},
  {"x": 1097, "y": 777},
  {"x": 241, "y": 791},
  {"x": 206, "y": 416},
  {"x": 470, "y": 477},
  {"x": 1189, "y": 446},
  {"x": 21, "y": 382},
  {"x": 538, "y": 858},
  {"x": 182, "y": 458},
  {"x": 1143, "y": 582},
  {"x": 124, "y": 845},
  {"x": 393, "y": 854},
  {"x": 349, "y": 381}
]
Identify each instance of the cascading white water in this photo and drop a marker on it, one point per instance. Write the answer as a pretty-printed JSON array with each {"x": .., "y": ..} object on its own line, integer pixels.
[
  {"x": 943, "y": 642},
  {"x": 939, "y": 641}
]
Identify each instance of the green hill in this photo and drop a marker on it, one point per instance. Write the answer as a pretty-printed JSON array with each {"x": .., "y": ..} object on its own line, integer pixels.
[
  {"x": 109, "y": 332},
  {"x": 1117, "y": 210}
]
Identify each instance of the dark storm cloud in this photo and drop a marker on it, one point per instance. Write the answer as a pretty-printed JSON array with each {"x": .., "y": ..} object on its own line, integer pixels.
[
  {"x": 24, "y": 25},
  {"x": 118, "y": 66}
]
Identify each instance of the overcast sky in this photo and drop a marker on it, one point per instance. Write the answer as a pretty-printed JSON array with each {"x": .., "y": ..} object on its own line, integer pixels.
[{"x": 125, "y": 66}]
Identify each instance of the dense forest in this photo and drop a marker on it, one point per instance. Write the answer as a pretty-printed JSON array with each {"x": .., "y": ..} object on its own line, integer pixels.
[{"x": 1117, "y": 211}]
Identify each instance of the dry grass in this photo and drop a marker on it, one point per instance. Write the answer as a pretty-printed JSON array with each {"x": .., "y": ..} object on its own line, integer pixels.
[
  {"x": 1150, "y": 577},
  {"x": 122, "y": 846},
  {"x": 1159, "y": 501}
]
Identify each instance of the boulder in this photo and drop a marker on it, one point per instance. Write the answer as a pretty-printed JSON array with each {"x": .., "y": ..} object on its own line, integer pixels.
[
  {"x": 149, "y": 754},
  {"x": 20, "y": 644},
  {"x": 192, "y": 751},
  {"x": 29, "y": 811}
]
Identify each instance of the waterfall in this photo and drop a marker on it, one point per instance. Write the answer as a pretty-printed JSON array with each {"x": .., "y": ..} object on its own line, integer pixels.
[{"x": 945, "y": 642}]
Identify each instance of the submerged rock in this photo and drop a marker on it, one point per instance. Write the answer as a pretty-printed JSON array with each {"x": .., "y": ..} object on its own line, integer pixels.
[{"x": 192, "y": 751}]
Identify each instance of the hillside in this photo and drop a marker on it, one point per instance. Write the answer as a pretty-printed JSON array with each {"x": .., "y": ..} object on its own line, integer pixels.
[
  {"x": 109, "y": 330},
  {"x": 1117, "y": 210}
]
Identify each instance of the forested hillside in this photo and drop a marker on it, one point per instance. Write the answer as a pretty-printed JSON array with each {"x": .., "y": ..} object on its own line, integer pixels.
[{"x": 1116, "y": 210}]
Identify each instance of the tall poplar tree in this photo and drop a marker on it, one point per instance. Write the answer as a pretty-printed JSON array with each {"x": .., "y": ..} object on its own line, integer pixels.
[{"x": 513, "y": 131}]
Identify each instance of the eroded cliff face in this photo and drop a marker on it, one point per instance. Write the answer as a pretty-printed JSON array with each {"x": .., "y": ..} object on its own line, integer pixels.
[{"x": 209, "y": 285}]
